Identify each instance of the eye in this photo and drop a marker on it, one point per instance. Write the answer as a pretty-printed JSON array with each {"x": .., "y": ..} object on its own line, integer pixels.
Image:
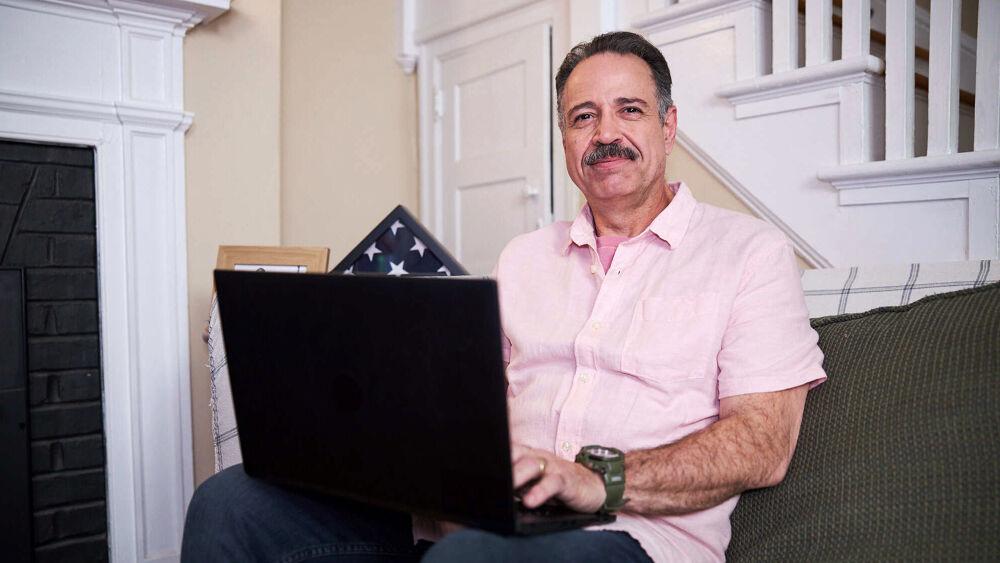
[
  {"x": 633, "y": 110},
  {"x": 582, "y": 117}
]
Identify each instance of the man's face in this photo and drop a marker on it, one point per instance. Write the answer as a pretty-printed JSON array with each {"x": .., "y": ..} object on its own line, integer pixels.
[{"x": 616, "y": 146}]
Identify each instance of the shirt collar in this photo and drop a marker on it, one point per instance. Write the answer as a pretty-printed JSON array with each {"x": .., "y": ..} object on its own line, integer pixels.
[{"x": 670, "y": 225}]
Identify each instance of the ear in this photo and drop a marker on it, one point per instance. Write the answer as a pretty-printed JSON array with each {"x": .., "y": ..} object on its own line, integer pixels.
[{"x": 670, "y": 129}]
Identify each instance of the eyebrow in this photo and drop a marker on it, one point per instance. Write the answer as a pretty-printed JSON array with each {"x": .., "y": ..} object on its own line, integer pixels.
[
  {"x": 628, "y": 101},
  {"x": 618, "y": 102}
]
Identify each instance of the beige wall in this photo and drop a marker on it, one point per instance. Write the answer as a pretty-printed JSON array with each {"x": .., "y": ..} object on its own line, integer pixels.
[
  {"x": 349, "y": 123},
  {"x": 304, "y": 133},
  {"x": 232, "y": 84}
]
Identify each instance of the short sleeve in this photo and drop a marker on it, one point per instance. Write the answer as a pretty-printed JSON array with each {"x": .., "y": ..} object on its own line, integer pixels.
[{"x": 768, "y": 344}]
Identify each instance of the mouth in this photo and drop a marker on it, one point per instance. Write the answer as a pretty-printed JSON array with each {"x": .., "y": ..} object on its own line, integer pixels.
[{"x": 610, "y": 163}]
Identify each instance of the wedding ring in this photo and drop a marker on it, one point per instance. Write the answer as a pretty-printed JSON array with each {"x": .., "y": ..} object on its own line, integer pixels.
[{"x": 541, "y": 467}]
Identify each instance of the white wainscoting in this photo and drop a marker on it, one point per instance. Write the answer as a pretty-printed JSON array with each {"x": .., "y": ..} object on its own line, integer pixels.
[{"x": 108, "y": 74}]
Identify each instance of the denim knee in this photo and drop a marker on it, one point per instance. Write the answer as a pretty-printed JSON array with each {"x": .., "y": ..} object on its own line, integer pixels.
[
  {"x": 469, "y": 545},
  {"x": 214, "y": 513}
]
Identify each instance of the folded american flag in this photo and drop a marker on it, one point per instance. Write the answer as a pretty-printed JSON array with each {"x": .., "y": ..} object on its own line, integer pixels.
[{"x": 400, "y": 246}]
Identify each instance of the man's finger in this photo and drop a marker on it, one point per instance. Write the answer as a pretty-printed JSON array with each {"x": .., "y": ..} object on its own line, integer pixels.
[
  {"x": 550, "y": 486},
  {"x": 527, "y": 469}
]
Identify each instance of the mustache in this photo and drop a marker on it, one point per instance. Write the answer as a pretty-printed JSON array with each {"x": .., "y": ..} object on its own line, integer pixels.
[{"x": 610, "y": 150}]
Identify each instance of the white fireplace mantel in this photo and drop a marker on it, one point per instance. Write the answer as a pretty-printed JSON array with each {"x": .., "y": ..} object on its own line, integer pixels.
[{"x": 108, "y": 74}]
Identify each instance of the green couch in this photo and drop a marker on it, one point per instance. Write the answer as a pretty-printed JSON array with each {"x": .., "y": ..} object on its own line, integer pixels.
[{"x": 899, "y": 453}]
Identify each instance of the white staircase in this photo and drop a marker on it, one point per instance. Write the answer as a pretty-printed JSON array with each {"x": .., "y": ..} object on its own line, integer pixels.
[{"x": 820, "y": 129}]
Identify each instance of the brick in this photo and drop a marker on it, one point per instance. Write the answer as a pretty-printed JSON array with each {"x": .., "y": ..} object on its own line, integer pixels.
[
  {"x": 38, "y": 391},
  {"x": 65, "y": 420},
  {"x": 7, "y": 214},
  {"x": 73, "y": 182},
  {"x": 42, "y": 250},
  {"x": 74, "y": 250},
  {"x": 62, "y": 317},
  {"x": 64, "y": 386},
  {"x": 42, "y": 284},
  {"x": 63, "y": 523},
  {"x": 14, "y": 181},
  {"x": 44, "y": 184},
  {"x": 47, "y": 153},
  {"x": 67, "y": 487},
  {"x": 80, "y": 385},
  {"x": 81, "y": 550},
  {"x": 82, "y": 452},
  {"x": 63, "y": 182},
  {"x": 44, "y": 527},
  {"x": 28, "y": 250},
  {"x": 63, "y": 352},
  {"x": 43, "y": 459},
  {"x": 58, "y": 216}
]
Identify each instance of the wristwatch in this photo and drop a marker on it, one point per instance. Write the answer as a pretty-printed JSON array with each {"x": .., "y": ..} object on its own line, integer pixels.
[{"x": 609, "y": 463}]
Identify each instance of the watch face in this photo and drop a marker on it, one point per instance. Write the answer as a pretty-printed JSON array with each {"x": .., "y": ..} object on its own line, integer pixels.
[{"x": 602, "y": 453}]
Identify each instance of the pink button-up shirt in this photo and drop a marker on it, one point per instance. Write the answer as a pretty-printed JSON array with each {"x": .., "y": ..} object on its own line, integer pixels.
[{"x": 704, "y": 304}]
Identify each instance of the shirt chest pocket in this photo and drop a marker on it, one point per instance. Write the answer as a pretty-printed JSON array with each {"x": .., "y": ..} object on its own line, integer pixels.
[{"x": 672, "y": 337}]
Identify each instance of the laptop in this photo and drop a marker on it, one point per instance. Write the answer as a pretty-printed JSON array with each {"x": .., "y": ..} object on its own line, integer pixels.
[{"x": 384, "y": 390}]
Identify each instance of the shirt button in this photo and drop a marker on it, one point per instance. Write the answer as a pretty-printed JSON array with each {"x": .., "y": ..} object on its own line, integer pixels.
[
  {"x": 596, "y": 326},
  {"x": 584, "y": 377},
  {"x": 593, "y": 268},
  {"x": 566, "y": 446}
]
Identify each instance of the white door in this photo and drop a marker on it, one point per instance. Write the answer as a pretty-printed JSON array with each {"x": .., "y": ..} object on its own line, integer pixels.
[{"x": 492, "y": 108}]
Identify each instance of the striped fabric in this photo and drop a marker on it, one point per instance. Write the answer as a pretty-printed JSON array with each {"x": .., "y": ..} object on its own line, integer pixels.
[
  {"x": 224, "y": 435},
  {"x": 837, "y": 291}
]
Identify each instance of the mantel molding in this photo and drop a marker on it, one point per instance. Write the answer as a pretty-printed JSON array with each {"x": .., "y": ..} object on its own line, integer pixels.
[
  {"x": 109, "y": 74},
  {"x": 184, "y": 14},
  {"x": 94, "y": 110}
]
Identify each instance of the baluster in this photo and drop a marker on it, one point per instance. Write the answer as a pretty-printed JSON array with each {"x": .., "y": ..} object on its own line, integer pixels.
[
  {"x": 942, "y": 95},
  {"x": 785, "y": 35},
  {"x": 899, "y": 77},
  {"x": 857, "y": 28},
  {"x": 819, "y": 32},
  {"x": 987, "y": 133}
]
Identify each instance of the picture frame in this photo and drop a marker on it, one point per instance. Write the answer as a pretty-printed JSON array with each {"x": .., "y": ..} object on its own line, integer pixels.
[
  {"x": 400, "y": 217},
  {"x": 289, "y": 259}
]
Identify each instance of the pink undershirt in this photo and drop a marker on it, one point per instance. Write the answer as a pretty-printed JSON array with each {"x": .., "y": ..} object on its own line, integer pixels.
[{"x": 606, "y": 247}]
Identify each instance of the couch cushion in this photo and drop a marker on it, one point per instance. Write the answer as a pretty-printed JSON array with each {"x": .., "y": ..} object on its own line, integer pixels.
[{"x": 899, "y": 453}]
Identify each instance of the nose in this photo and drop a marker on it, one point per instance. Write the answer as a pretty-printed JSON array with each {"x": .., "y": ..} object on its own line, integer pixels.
[{"x": 607, "y": 132}]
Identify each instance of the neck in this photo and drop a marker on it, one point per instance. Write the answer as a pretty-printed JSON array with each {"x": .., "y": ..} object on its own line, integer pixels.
[{"x": 628, "y": 219}]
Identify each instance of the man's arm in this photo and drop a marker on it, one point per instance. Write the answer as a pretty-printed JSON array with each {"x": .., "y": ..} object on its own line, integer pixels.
[{"x": 749, "y": 447}]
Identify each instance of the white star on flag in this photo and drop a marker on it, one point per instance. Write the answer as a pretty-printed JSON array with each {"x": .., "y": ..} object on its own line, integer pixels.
[
  {"x": 397, "y": 269},
  {"x": 446, "y": 271},
  {"x": 395, "y": 226},
  {"x": 372, "y": 251},
  {"x": 418, "y": 246},
  {"x": 349, "y": 271}
]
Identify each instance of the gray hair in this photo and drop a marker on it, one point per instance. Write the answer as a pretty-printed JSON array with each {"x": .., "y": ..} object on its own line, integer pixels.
[{"x": 622, "y": 43}]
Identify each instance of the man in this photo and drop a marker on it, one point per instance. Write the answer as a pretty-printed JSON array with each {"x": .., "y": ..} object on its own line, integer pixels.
[{"x": 654, "y": 325}]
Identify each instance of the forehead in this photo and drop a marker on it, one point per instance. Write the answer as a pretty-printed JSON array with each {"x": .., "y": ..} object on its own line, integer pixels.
[{"x": 609, "y": 75}]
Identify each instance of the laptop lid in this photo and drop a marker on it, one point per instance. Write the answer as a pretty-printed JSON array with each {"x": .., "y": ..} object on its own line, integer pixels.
[{"x": 386, "y": 390}]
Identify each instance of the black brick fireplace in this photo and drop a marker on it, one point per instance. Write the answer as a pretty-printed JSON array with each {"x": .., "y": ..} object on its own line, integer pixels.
[{"x": 48, "y": 233}]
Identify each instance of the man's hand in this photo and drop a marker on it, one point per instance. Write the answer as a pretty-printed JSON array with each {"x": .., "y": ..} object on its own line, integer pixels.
[{"x": 548, "y": 477}]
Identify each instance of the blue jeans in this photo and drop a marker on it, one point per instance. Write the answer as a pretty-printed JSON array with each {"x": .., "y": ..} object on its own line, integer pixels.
[{"x": 233, "y": 517}]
